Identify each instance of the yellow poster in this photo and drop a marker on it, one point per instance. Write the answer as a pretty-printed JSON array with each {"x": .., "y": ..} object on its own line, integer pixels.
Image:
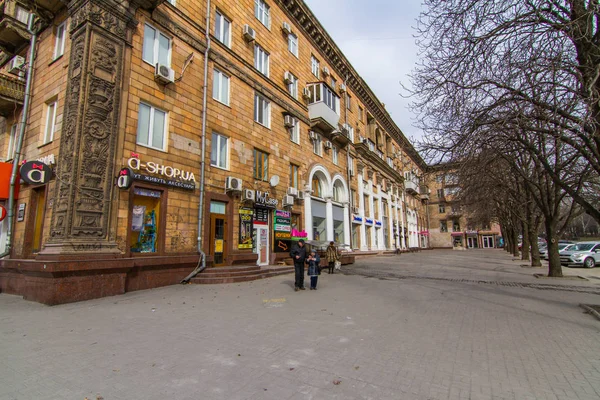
[{"x": 218, "y": 245}]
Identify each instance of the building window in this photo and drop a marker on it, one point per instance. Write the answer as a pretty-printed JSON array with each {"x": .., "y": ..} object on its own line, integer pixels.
[
  {"x": 348, "y": 102},
  {"x": 366, "y": 205},
  {"x": 10, "y": 153},
  {"x": 443, "y": 226},
  {"x": 352, "y": 198},
  {"x": 261, "y": 60},
  {"x": 442, "y": 208},
  {"x": 360, "y": 113},
  {"x": 262, "y": 12},
  {"x": 21, "y": 14},
  {"x": 317, "y": 147},
  {"x": 59, "y": 44},
  {"x": 334, "y": 154},
  {"x": 456, "y": 226},
  {"x": 350, "y": 133},
  {"x": 333, "y": 83},
  {"x": 351, "y": 166},
  {"x": 295, "y": 132},
  {"x": 314, "y": 66},
  {"x": 146, "y": 223},
  {"x": 293, "y": 44},
  {"x": 219, "y": 150},
  {"x": 293, "y": 86},
  {"x": 294, "y": 175},
  {"x": 223, "y": 29},
  {"x": 440, "y": 193},
  {"x": 321, "y": 92},
  {"x": 316, "y": 188},
  {"x": 157, "y": 47},
  {"x": 152, "y": 127},
  {"x": 172, "y": 2},
  {"x": 220, "y": 87},
  {"x": 262, "y": 111},
  {"x": 261, "y": 165},
  {"x": 439, "y": 178},
  {"x": 50, "y": 122}
]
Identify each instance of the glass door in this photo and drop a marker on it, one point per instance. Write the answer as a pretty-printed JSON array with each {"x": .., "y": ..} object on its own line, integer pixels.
[{"x": 261, "y": 234}]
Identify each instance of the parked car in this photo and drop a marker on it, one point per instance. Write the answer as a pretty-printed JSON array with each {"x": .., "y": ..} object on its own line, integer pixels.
[
  {"x": 585, "y": 254},
  {"x": 544, "y": 252}
]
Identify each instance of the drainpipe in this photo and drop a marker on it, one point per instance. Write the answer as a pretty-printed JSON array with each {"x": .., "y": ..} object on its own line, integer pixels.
[
  {"x": 202, "y": 262},
  {"x": 348, "y": 159},
  {"x": 19, "y": 144}
]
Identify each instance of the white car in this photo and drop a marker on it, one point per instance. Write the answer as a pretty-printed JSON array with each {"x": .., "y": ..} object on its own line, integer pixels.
[
  {"x": 585, "y": 254},
  {"x": 561, "y": 247}
]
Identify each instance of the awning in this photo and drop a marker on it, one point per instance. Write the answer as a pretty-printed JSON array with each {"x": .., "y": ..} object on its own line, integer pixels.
[{"x": 456, "y": 234}]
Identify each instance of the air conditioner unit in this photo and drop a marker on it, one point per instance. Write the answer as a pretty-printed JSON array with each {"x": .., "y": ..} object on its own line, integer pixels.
[
  {"x": 288, "y": 200},
  {"x": 287, "y": 28},
  {"x": 355, "y": 210},
  {"x": 292, "y": 191},
  {"x": 312, "y": 135},
  {"x": 16, "y": 65},
  {"x": 288, "y": 77},
  {"x": 248, "y": 194},
  {"x": 233, "y": 184},
  {"x": 327, "y": 144},
  {"x": 249, "y": 33},
  {"x": 289, "y": 121},
  {"x": 342, "y": 87},
  {"x": 306, "y": 93},
  {"x": 325, "y": 71},
  {"x": 300, "y": 195},
  {"x": 164, "y": 74}
]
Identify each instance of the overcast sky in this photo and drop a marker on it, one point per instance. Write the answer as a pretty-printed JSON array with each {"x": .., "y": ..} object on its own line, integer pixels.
[{"x": 377, "y": 38}]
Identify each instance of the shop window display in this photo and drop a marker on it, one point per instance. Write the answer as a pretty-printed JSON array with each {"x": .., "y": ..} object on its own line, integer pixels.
[{"x": 144, "y": 221}]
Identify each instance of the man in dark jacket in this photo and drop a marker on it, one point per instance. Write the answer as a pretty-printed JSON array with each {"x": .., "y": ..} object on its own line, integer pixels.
[{"x": 298, "y": 254}]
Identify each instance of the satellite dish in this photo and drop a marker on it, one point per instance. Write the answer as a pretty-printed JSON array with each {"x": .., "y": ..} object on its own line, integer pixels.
[{"x": 274, "y": 181}]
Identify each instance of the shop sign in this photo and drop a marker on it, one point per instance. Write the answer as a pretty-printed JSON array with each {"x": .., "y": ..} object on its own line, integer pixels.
[
  {"x": 279, "y": 220},
  {"x": 299, "y": 234},
  {"x": 147, "y": 192},
  {"x": 456, "y": 234},
  {"x": 378, "y": 223},
  {"x": 261, "y": 216},
  {"x": 2, "y": 213},
  {"x": 35, "y": 172},
  {"x": 124, "y": 180},
  {"x": 245, "y": 239},
  {"x": 283, "y": 214},
  {"x": 368, "y": 221},
  {"x": 282, "y": 228},
  {"x": 282, "y": 246},
  {"x": 21, "y": 212},
  {"x": 283, "y": 235},
  {"x": 357, "y": 219},
  {"x": 262, "y": 199},
  {"x": 166, "y": 170}
]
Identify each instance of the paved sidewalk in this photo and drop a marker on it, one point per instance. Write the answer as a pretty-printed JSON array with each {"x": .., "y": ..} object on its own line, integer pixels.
[{"x": 354, "y": 338}]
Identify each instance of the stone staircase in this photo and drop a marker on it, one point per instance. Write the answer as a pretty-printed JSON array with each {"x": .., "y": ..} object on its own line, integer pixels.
[{"x": 244, "y": 273}]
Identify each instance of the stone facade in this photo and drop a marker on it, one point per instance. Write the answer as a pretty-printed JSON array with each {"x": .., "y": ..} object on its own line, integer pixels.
[{"x": 97, "y": 107}]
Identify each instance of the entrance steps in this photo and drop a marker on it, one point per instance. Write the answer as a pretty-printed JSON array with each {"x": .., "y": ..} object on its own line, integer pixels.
[{"x": 244, "y": 273}]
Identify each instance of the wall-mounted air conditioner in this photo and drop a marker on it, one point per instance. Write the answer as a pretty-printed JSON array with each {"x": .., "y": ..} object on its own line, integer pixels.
[
  {"x": 164, "y": 74},
  {"x": 233, "y": 184},
  {"x": 249, "y": 33}
]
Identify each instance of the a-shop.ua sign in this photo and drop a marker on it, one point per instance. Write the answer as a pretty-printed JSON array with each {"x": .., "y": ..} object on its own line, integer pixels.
[{"x": 166, "y": 170}]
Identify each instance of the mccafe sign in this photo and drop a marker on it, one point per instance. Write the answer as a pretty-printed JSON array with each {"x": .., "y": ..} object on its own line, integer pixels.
[{"x": 161, "y": 175}]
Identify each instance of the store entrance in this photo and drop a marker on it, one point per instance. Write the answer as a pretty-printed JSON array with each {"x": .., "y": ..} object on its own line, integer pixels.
[
  {"x": 472, "y": 242},
  {"x": 261, "y": 236},
  {"x": 218, "y": 228}
]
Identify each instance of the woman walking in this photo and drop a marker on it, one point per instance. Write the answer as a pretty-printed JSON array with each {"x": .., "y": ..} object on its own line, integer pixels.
[{"x": 332, "y": 256}]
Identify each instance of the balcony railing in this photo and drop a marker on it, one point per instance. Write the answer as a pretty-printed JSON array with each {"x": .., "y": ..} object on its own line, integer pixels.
[
  {"x": 424, "y": 192},
  {"x": 411, "y": 187},
  {"x": 12, "y": 91}
]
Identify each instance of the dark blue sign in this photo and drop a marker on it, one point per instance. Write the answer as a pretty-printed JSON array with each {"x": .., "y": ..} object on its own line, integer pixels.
[{"x": 369, "y": 221}]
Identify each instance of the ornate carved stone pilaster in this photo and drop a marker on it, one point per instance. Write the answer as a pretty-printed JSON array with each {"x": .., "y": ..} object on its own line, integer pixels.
[{"x": 99, "y": 31}]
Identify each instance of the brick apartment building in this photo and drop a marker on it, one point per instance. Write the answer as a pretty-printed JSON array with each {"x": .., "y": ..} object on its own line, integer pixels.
[
  {"x": 291, "y": 143},
  {"x": 450, "y": 225}
]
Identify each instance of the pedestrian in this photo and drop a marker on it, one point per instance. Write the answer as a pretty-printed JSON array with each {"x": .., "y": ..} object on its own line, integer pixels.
[
  {"x": 298, "y": 254},
  {"x": 314, "y": 270},
  {"x": 332, "y": 256}
]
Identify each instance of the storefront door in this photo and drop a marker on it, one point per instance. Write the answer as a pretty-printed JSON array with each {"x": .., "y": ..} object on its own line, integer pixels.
[
  {"x": 261, "y": 235},
  {"x": 217, "y": 239},
  {"x": 472, "y": 242},
  {"x": 488, "y": 242}
]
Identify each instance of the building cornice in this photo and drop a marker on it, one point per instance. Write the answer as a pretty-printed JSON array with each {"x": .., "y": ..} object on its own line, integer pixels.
[{"x": 298, "y": 10}]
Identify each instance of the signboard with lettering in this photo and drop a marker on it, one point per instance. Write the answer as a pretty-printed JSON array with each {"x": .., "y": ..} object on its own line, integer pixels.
[
  {"x": 262, "y": 199},
  {"x": 378, "y": 223},
  {"x": 35, "y": 173},
  {"x": 21, "y": 212},
  {"x": 245, "y": 239},
  {"x": 125, "y": 178},
  {"x": 368, "y": 221},
  {"x": 261, "y": 216},
  {"x": 282, "y": 231},
  {"x": 168, "y": 176}
]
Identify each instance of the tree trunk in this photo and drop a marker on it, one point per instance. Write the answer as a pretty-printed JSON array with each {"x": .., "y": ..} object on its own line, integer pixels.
[
  {"x": 525, "y": 244},
  {"x": 515, "y": 243},
  {"x": 535, "y": 254},
  {"x": 554, "y": 267}
]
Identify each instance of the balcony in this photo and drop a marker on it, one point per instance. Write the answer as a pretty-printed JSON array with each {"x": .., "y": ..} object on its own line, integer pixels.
[
  {"x": 323, "y": 108},
  {"x": 340, "y": 137},
  {"x": 411, "y": 187},
  {"x": 424, "y": 192},
  {"x": 13, "y": 26},
  {"x": 12, "y": 91}
]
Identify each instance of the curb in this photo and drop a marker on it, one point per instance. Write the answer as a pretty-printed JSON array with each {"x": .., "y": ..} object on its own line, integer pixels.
[{"x": 590, "y": 310}]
